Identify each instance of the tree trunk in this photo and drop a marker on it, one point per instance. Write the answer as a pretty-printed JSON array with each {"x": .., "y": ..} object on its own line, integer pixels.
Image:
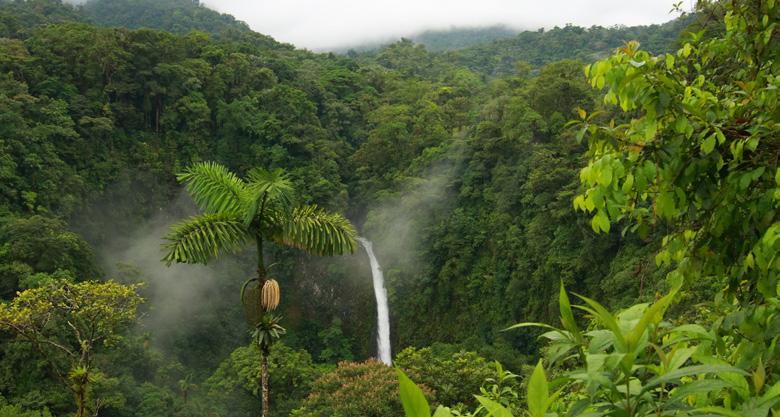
[
  {"x": 81, "y": 401},
  {"x": 261, "y": 276},
  {"x": 264, "y": 383}
]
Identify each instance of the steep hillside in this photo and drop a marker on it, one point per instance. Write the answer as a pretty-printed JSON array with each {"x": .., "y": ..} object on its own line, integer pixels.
[
  {"x": 569, "y": 42},
  {"x": 458, "y": 165},
  {"x": 19, "y": 17},
  {"x": 459, "y": 38},
  {"x": 175, "y": 16}
]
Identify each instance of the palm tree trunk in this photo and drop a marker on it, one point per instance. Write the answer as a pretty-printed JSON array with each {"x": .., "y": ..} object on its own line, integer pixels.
[
  {"x": 264, "y": 383},
  {"x": 261, "y": 276}
]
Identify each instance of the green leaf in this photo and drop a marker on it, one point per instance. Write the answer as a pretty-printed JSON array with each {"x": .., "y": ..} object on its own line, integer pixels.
[
  {"x": 314, "y": 230},
  {"x": 581, "y": 134},
  {"x": 675, "y": 375},
  {"x": 717, "y": 410},
  {"x": 442, "y": 411},
  {"x": 567, "y": 316},
  {"x": 214, "y": 188},
  {"x": 628, "y": 184},
  {"x": 721, "y": 137},
  {"x": 538, "y": 392},
  {"x": 653, "y": 314},
  {"x": 772, "y": 393},
  {"x": 665, "y": 205},
  {"x": 708, "y": 145},
  {"x": 201, "y": 238},
  {"x": 412, "y": 398},
  {"x": 528, "y": 324},
  {"x": 686, "y": 50},
  {"x": 698, "y": 387},
  {"x": 759, "y": 376},
  {"x": 493, "y": 408},
  {"x": 605, "y": 175},
  {"x": 600, "y": 222},
  {"x": 598, "y": 311}
]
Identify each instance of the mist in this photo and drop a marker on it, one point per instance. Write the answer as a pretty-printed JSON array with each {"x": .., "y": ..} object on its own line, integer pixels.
[
  {"x": 181, "y": 298},
  {"x": 397, "y": 223},
  {"x": 327, "y": 25}
]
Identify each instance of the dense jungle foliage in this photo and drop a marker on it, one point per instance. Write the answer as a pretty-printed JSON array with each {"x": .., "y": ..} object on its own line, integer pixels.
[{"x": 486, "y": 205}]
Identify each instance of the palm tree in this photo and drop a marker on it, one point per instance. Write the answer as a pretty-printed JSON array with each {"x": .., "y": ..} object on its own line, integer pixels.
[{"x": 259, "y": 209}]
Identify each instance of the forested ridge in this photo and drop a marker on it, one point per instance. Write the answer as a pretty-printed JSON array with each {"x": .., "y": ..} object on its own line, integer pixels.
[{"x": 485, "y": 202}]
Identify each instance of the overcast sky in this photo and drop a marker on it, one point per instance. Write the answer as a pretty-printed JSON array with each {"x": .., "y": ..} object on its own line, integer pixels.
[{"x": 326, "y": 24}]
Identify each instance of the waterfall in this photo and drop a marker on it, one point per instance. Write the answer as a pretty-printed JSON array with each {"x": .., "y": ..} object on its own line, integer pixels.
[{"x": 382, "y": 311}]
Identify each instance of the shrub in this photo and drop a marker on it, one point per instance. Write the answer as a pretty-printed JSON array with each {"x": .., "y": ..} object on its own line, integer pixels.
[
  {"x": 454, "y": 375},
  {"x": 234, "y": 387},
  {"x": 362, "y": 389}
]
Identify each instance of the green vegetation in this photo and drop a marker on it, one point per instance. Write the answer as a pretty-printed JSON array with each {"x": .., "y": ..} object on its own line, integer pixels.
[
  {"x": 458, "y": 38},
  {"x": 65, "y": 323},
  {"x": 694, "y": 158},
  {"x": 176, "y": 16},
  {"x": 259, "y": 209},
  {"x": 568, "y": 42},
  {"x": 487, "y": 205},
  {"x": 364, "y": 389}
]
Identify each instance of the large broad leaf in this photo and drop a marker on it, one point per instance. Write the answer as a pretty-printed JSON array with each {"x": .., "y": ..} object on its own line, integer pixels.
[
  {"x": 698, "y": 387},
  {"x": 567, "y": 316},
  {"x": 538, "y": 392},
  {"x": 693, "y": 331},
  {"x": 604, "y": 316},
  {"x": 412, "y": 398},
  {"x": 675, "y": 375},
  {"x": 718, "y": 411},
  {"x": 442, "y": 411},
  {"x": 493, "y": 408},
  {"x": 772, "y": 394},
  {"x": 652, "y": 315}
]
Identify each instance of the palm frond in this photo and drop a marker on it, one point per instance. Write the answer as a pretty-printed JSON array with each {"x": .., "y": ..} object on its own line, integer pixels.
[
  {"x": 316, "y": 231},
  {"x": 200, "y": 238},
  {"x": 272, "y": 189},
  {"x": 214, "y": 188}
]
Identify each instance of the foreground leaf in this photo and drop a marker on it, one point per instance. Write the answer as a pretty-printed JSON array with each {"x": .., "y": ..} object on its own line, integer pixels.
[{"x": 412, "y": 398}]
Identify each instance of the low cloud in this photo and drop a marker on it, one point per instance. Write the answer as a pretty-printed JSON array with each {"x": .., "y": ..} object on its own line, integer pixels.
[{"x": 323, "y": 25}]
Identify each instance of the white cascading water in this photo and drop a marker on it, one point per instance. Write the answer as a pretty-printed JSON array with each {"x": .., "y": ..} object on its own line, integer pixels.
[{"x": 382, "y": 310}]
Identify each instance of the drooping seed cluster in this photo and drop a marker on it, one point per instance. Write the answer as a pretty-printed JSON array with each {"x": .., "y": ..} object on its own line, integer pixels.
[{"x": 270, "y": 295}]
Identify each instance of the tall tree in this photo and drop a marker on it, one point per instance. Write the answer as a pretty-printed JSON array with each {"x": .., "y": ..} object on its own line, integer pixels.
[
  {"x": 66, "y": 323},
  {"x": 259, "y": 209}
]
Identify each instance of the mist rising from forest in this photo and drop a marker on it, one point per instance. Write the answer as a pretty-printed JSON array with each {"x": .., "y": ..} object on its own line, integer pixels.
[
  {"x": 179, "y": 294},
  {"x": 396, "y": 225}
]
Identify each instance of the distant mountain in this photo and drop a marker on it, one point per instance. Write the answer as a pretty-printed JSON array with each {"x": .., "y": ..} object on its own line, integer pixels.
[
  {"x": 491, "y": 51},
  {"x": 570, "y": 42},
  {"x": 176, "y": 16},
  {"x": 19, "y": 17},
  {"x": 496, "y": 50},
  {"x": 459, "y": 38}
]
